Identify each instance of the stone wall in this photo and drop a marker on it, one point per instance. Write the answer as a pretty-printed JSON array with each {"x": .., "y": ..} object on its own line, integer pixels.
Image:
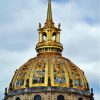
[{"x": 48, "y": 96}]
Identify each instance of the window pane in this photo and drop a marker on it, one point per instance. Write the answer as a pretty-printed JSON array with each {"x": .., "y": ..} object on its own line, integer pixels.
[
  {"x": 18, "y": 98},
  {"x": 80, "y": 99},
  {"x": 60, "y": 97},
  {"x": 37, "y": 97}
]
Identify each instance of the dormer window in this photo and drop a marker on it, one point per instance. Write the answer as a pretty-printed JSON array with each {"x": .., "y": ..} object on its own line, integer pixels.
[
  {"x": 80, "y": 98},
  {"x": 18, "y": 98},
  {"x": 37, "y": 97},
  {"x": 60, "y": 97}
]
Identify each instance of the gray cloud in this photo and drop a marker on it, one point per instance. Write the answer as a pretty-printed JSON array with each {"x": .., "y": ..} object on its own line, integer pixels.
[
  {"x": 18, "y": 35},
  {"x": 82, "y": 45}
]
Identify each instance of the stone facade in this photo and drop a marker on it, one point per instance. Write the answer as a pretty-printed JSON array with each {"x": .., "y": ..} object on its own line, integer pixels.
[{"x": 49, "y": 96}]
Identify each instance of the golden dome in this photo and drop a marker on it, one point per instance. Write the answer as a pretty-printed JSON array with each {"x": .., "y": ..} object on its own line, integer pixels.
[{"x": 49, "y": 68}]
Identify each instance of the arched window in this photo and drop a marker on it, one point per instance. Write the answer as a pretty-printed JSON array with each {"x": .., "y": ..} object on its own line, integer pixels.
[
  {"x": 54, "y": 36},
  {"x": 80, "y": 83},
  {"x": 20, "y": 82},
  {"x": 27, "y": 83},
  {"x": 17, "y": 98},
  {"x": 80, "y": 99},
  {"x": 44, "y": 36},
  {"x": 60, "y": 97},
  {"x": 37, "y": 97},
  {"x": 77, "y": 82}
]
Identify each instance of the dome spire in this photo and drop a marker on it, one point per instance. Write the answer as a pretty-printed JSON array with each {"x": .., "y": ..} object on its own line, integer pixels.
[{"x": 49, "y": 11}]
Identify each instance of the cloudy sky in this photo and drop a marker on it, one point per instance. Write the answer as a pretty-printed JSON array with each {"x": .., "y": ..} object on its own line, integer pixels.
[{"x": 80, "y": 35}]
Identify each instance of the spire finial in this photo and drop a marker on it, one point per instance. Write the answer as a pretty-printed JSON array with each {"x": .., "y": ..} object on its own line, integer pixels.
[{"x": 49, "y": 12}]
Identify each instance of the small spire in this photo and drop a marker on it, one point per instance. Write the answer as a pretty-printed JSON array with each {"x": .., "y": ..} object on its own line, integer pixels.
[
  {"x": 49, "y": 12},
  {"x": 6, "y": 93},
  {"x": 39, "y": 25},
  {"x": 59, "y": 25}
]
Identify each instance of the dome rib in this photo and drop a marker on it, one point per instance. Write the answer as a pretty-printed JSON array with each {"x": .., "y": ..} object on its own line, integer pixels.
[{"x": 46, "y": 69}]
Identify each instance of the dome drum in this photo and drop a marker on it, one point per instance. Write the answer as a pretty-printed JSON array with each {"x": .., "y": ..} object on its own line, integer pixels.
[{"x": 51, "y": 89}]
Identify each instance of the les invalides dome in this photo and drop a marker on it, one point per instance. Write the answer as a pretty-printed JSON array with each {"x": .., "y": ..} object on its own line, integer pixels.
[{"x": 49, "y": 75}]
